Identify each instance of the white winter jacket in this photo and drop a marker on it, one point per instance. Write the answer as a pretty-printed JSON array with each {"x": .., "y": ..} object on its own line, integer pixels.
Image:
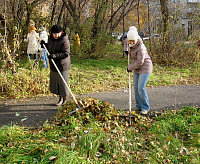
[
  {"x": 33, "y": 42},
  {"x": 43, "y": 36}
]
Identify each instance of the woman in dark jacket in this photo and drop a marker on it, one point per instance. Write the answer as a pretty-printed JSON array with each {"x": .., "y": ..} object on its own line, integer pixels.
[{"x": 59, "y": 49}]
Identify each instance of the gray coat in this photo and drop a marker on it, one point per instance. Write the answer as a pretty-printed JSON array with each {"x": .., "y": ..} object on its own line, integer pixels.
[{"x": 141, "y": 61}]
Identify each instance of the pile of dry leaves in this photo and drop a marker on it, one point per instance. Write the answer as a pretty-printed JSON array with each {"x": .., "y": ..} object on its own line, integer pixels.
[{"x": 99, "y": 118}]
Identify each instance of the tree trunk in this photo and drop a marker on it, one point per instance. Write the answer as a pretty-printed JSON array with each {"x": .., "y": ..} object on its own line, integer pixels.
[
  {"x": 53, "y": 11},
  {"x": 73, "y": 12},
  {"x": 165, "y": 17},
  {"x": 149, "y": 27},
  {"x": 61, "y": 13},
  {"x": 138, "y": 5}
]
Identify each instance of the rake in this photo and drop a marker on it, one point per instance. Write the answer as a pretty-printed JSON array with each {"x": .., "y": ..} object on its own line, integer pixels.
[
  {"x": 79, "y": 108},
  {"x": 129, "y": 86}
]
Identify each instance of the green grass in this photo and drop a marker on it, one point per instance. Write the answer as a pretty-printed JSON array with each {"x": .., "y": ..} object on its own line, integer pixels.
[
  {"x": 89, "y": 75},
  {"x": 172, "y": 137}
]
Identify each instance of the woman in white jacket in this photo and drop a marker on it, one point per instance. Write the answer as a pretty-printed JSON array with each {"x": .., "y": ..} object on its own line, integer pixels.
[{"x": 33, "y": 42}]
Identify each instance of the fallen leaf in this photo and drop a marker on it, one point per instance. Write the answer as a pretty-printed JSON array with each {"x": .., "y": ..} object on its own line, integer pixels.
[
  {"x": 17, "y": 114},
  {"x": 52, "y": 158},
  {"x": 73, "y": 145},
  {"x": 98, "y": 154},
  {"x": 23, "y": 119}
]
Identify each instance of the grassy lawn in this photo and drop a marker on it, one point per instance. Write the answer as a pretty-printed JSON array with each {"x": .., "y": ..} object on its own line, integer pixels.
[
  {"x": 98, "y": 134},
  {"x": 111, "y": 72},
  {"x": 89, "y": 75}
]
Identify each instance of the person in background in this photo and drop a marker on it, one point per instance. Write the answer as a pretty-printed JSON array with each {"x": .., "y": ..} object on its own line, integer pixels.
[
  {"x": 59, "y": 48},
  {"x": 44, "y": 37},
  {"x": 124, "y": 43},
  {"x": 76, "y": 42},
  {"x": 142, "y": 67},
  {"x": 33, "y": 42}
]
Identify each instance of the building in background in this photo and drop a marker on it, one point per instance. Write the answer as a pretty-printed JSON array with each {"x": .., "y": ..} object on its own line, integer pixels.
[
  {"x": 186, "y": 15},
  {"x": 183, "y": 15}
]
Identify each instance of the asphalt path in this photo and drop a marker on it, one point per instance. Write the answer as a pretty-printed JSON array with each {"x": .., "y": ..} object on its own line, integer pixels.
[{"x": 33, "y": 112}]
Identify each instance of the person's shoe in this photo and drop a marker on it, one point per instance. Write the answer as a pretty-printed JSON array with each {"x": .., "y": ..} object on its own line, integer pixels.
[
  {"x": 60, "y": 102},
  {"x": 144, "y": 111},
  {"x": 64, "y": 102},
  {"x": 136, "y": 109}
]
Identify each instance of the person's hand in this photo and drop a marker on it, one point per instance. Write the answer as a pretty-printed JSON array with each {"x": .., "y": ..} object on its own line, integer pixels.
[
  {"x": 126, "y": 52},
  {"x": 128, "y": 70},
  {"x": 50, "y": 57},
  {"x": 42, "y": 43}
]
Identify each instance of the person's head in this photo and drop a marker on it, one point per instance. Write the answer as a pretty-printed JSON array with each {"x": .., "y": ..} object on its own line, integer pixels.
[
  {"x": 56, "y": 31},
  {"x": 41, "y": 29},
  {"x": 132, "y": 28},
  {"x": 133, "y": 37},
  {"x": 32, "y": 28}
]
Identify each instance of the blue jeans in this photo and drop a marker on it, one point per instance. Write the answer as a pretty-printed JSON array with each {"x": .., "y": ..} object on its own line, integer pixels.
[
  {"x": 142, "y": 100},
  {"x": 44, "y": 58}
]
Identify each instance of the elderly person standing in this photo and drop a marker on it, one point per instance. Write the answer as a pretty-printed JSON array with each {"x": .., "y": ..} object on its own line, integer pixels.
[
  {"x": 33, "y": 43},
  {"x": 59, "y": 48},
  {"x": 142, "y": 67}
]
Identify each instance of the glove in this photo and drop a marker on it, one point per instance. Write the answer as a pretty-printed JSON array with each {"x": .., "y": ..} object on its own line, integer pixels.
[
  {"x": 50, "y": 57},
  {"x": 42, "y": 42},
  {"x": 126, "y": 52},
  {"x": 128, "y": 70}
]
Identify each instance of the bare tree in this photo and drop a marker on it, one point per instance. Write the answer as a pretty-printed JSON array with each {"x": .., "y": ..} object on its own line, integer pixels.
[
  {"x": 138, "y": 5},
  {"x": 104, "y": 16},
  {"x": 53, "y": 11},
  {"x": 92, "y": 18},
  {"x": 74, "y": 12}
]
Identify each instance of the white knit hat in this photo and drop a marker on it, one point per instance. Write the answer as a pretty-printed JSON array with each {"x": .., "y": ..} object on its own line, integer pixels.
[
  {"x": 132, "y": 28},
  {"x": 132, "y": 35}
]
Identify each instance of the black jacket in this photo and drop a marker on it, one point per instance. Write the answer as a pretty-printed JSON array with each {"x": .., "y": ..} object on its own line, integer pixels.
[{"x": 60, "y": 50}]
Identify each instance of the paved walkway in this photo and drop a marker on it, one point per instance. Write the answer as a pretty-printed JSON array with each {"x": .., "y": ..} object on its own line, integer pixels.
[{"x": 33, "y": 112}]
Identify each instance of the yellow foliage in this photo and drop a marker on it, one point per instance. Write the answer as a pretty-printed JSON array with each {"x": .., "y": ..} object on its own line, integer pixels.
[{"x": 143, "y": 15}]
